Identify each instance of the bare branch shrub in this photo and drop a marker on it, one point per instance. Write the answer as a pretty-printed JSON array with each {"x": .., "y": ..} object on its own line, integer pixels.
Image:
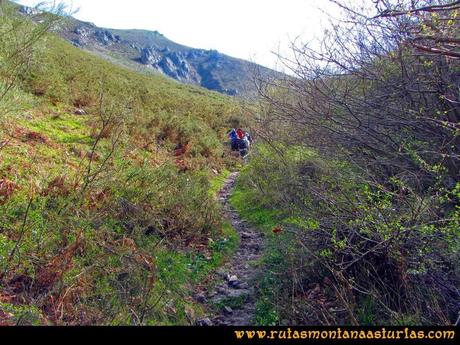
[{"x": 377, "y": 100}]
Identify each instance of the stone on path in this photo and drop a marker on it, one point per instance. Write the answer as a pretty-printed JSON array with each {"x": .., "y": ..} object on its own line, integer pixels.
[
  {"x": 79, "y": 111},
  {"x": 232, "y": 278},
  {"x": 242, "y": 286},
  {"x": 204, "y": 322},
  {"x": 200, "y": 298},
  {"x": 228, "y": 310}
]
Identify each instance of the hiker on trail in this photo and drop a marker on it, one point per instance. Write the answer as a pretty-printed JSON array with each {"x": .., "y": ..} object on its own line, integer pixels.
[
  {"x": 242, "y": 144},
  {"x": 245, "y": 144},
  {"x": 241, "y": 141},
  {"x": 234, "y": 139},
  {"x": 244, "y": 147},
  {"x": 248, "y": 139}
]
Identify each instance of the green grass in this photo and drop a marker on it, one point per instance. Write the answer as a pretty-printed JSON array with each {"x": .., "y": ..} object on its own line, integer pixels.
[
  {"x": 265, "y": 219},
  {"x": 218, "y": 182},
  {"x": 181, "y": 271},
  {"x": 46, "y": 159},
  {"x": 63, "y": 128},
  {"x": 22, "y": 315}
]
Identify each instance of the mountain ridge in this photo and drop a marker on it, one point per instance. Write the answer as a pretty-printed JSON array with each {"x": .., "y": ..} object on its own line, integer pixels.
[{"x": 150, "y": 51}]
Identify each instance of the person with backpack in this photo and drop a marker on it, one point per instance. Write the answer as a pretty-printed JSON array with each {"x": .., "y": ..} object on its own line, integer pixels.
[
  {"x": 248, "y": 139},
  {"x": 240, "y": 141},
  {"x": 245, "y": 144},
  {"x": 234, "y": 139}
]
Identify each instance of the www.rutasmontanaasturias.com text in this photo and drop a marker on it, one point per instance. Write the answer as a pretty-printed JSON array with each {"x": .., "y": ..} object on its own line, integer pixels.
[{"x": 346, "y": 334}]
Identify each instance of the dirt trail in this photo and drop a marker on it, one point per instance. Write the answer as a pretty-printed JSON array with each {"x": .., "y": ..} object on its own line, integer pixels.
[{"x": 235, "y": 291}]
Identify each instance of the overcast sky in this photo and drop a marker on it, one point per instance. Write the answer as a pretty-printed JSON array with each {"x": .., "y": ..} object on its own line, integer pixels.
[{"x": 248, "y": 29}]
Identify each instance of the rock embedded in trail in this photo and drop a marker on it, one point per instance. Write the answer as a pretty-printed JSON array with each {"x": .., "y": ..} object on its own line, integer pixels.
[
  {"x": 234, "y": 284},
  {"x": 221, "y": 290},
  {"x": 231, "y": 293},
  {"x": 242, "y": 286},
  {"x": 245, "y": 235},
  {"x": 228, "y": 310},
  {"x": 255, "y": 247},
  {"x": 79, "y": 111},
  {"x": 204, "y": 322},
  {"x": 232, "y": 278},
  {"x": 200, "y": 298},
  {"x": 222, "y": 272},
  {"x": 238, "y": 284}
]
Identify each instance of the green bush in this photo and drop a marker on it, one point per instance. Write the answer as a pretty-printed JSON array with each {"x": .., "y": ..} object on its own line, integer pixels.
[{"x": 349, "y": 252}]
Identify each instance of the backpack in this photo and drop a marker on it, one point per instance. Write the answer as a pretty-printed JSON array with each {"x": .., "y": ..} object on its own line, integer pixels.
[
  {"x": 233, "y": 135},
  {"x": 243, "y": 144}
]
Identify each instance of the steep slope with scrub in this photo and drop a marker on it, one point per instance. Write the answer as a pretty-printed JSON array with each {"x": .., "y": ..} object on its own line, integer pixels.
[{"x": 106, "y": 214}]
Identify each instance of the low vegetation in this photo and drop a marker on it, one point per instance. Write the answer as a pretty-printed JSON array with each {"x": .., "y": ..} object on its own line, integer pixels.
[
  {"x": 357, "y": 179},
  {"x": 108, "y": 179},
  {"x": 108, "y": 213}
]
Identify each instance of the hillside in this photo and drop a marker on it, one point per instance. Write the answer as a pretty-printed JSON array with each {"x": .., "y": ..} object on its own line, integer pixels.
[
  {"x": 150, "y": 51},
  {"x": 121, "y": 202},
  {"x": 108, "y": 178}
]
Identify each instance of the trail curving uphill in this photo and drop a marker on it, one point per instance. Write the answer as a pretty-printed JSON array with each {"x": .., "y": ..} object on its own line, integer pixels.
[{"x": 234, "y": 295}]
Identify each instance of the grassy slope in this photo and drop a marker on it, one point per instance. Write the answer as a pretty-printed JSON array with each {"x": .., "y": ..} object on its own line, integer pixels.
[{"x": 113, "y": 272}]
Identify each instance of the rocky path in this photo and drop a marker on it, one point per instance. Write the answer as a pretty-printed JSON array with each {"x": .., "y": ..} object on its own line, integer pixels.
[{"x": 234, "y": 294}]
